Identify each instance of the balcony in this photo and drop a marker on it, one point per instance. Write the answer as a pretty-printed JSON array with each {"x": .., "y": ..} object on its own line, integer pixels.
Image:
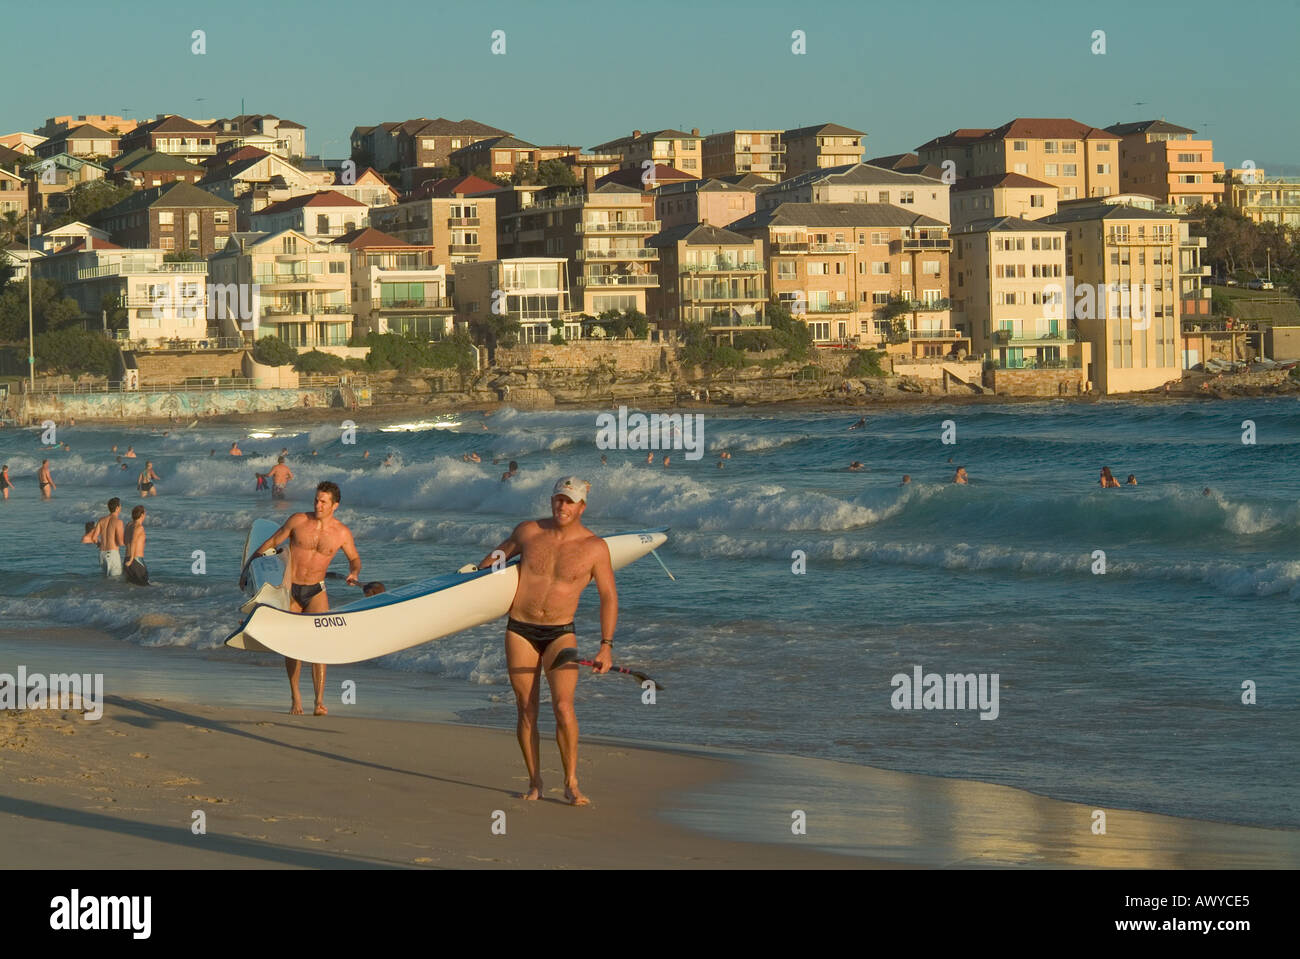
[
  {"x": 463, "y": 221},
  {"x": 729, "y": 321},
  {"x": 830, "y": 247},
  {"x": 464, "y": 248},
  {"x": 1128, "y": 239},
  {"x": 628, "y": 253},
  {"x": 178, "y": 303},
  {"x": 1200, "y": 325},
  {"x": 1034, "y": 337},
  {"x": 723, "y": 294},
  {"x": 837, "y": 307},
  {"x": 928, "y": 306},
  {"x": 127, "y": 269},
  {"x": 618, "y": 280},
  {"x": 726, "y": 266},
  {"x": 934, "y": 334},
  {"x": 914, "y": 245},
  {"x": 789, "y": 246},
  {"x": 565, "y": 202},
  {"x": 648, "y": 227},
  {"x": 428, "y": 303}
]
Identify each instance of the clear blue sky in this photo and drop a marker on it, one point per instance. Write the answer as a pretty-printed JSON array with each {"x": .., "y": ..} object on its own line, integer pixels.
[{"x": 589, "y": 71}]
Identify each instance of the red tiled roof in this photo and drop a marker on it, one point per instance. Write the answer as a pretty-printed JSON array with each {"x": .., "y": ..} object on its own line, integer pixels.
[
  {"x": 632, "y": 176},
  {"x": 367, "y": 237},
  {"x": 1031, "y": 128},
  {"x": 451, "y": 186},
  {"x": 78, "y": 246},
  {"x": 999, "y": 179},
  {"x": 323, "y": 198}
]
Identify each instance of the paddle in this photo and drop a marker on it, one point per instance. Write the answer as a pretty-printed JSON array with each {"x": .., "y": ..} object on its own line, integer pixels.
[{"x": 570, "y": 655}]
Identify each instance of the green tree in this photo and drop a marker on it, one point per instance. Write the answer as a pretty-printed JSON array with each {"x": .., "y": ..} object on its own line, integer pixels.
[
  {"x": 525, "y": 173},
  {"x": 315, "y": 361},
  {"x": 87, "y": 199},
  {"x": 556, "y": 173},
  {"x": 557, "y": 338},
  {"x": 865, "y": 363},
  {"x": 50, "y": 309},
  {"x": 76, "y": 352},
  {"x": 273, "y": 351}
]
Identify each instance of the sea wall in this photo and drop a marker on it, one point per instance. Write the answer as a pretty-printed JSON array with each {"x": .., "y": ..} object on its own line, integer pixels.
[{"x": 181, "y": 404}]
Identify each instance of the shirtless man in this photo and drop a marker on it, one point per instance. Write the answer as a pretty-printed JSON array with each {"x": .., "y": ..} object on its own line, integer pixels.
[
  {"x": 280, "y": 476},
  {"x": 960, "y": 476},
  {"x": 130, "y": 453},
  {"x": 136, "y": 572},
  {"x": 46, "y": 480},
  {"x": 510, "y": 473},
  {"x": 108, "y": 534},
  {"x": 235, "y": 450},
  {"x": 314, "y": 538},
  {"x": 559, "y": 557},
  {"x": 147, "y": 478},
  {"x": 6, "y": 484}
]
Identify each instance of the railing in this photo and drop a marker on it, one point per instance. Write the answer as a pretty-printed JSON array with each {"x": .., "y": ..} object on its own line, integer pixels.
[
  {"x": 192, "y": 384},
  {"x": 727, "y": 266},
  {"x": 619, "y": 226},
  {"x": 831, "y": 307},
  {"x": 784, "y": 246},
  {"x": 1066, "y": 363},
  {"x": 1005, "y": 337},
  {"x": 830, "y": 247},
  {"x": 317, "y": 380},
  {"x": 721, "y": 293},
  {"x": 170, "y": 304},
  {"x": 429, "y": 303},
  {"x": 1220, "y": 326},
  {"x": 619, "y": 254},
  {"x": 943, "y": 334},
  {"x": 902, "y": 246},
  {"x": 618, "y": 280},
  {"x": 463, "y": 221},
  {"x": 126, "y": 269},
  {"x": 465, "y": 248},
  {"x": 285, "y": 279},
  {"x": 720, "y": 321},
  {"x": 928, "y": 306},
  {"x": 558, "y": 202},
  {"x": 208, "y": 343}
]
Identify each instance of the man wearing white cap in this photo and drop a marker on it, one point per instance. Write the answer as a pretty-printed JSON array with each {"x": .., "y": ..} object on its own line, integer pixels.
[{"x": 558, "y": 558}]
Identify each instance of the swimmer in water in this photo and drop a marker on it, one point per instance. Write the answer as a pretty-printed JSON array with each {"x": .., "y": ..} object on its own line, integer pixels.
[
  {"x": 960, "y": 476},
  {"x": 859, "y": 424},
  {"x": 906, "y": 479},
  {"x": 855, "y": 467},
  {"x": 1131, "y": 481},
  {"x": 1108, "y": 480}
]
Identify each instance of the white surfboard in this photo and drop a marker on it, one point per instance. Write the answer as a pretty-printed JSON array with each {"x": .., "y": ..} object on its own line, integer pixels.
[
  {"x": 266, "y": 578},
  {"x": 408, "y": 615}
]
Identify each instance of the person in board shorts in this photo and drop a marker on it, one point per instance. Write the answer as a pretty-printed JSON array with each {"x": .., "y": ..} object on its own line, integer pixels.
[
  {"x": 108, "y": 535},
  {"x": 279, "y": 477},
  {"x": 135, "y": 571}
]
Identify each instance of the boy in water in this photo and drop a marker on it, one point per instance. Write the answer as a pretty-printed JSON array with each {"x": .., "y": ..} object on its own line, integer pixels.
[{"x": 135, "y": 570}]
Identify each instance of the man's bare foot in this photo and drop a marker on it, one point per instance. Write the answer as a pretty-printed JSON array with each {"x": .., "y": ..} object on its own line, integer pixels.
[
  {"x": 296, "y": 708},
  {"x": 534, "y": 792},
  {"x": 574, "y": 796},
  {"x": 320, "y": 709}
]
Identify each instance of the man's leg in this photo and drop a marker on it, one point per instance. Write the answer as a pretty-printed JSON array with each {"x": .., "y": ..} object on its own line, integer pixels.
[
  {"x": 564, "y": 683},
  {"x": 292, "y": 667},
  {"x": 320, "y": 603},
  {"x": 525, "y": 667}
]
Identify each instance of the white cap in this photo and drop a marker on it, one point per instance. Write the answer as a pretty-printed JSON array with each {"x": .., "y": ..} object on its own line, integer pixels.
[{"x": 573, "y": 488}]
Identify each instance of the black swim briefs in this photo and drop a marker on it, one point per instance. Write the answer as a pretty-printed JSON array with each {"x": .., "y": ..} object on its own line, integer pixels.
[
  {"x": 303, "y": 593},
  {"x": 539, "y": 636}
]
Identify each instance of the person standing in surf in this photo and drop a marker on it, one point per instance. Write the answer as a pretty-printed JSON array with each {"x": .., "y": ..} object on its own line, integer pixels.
[
  {"x": 558, "y": 558},
  {"x": 6, "y": 484},
  {"x": 108, "y": 534},
  {"x": 313, "y": 538},
  {"x": 135, "y": 570},
  {"x": 46, "y": 480},
  {"x": 280, "y": 476},
  {"x": 147, "y": 478}
]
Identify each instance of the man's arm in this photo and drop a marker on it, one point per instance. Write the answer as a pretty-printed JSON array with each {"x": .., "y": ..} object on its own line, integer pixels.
[
  {"x": 354, "y": 560},
  {"x": 603, "y": 574},
  {"x": 280, "y": 536},
  {"x": 510, "y": 546}
]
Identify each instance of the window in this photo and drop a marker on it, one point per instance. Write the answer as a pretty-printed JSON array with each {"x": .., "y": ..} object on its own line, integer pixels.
[
  {"x": 1021, "y": 168},
  {"x": 906, "y": 196},
  {"x": 1068, "y": 147},
  {"x": 930, "y": 267},
  {"x": 1049, "y": 169},
  {"x": 1049, "y": 146},
  {"x": 1035, "y": 199},
  {"x": 1070, "y": 169},
  {"x": 905, "y": 267},
  {"x": 338, "y": 266},
  {"x": 859, "y": 196},
  {"x": 322, "y": 223},
  {"x": 1069, "y": 193},
  {"x": 816, "y": 268},
  {"x": 166, "y": 218},
  {"x": 1103, "y": 168},
  {"x": 821, "y": 330},
  {"x": 166, "y": 243},
  {"x": 880, "y": 239},
  {"x": 221, "y": 217},
  {"x": 880, "y": 299},
  {"x": 879, "y": 268},
  {"x": 786, "y": 269},
  {"x": 882, "y": 196},
  {"x": 1189, "y": 158},
  {"x": 1020, "y": 146},
  {"x": 1103, "y": 147}
]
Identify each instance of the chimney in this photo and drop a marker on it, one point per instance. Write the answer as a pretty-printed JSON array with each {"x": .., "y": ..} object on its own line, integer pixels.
[
  {"x": 695, "y": 131},
  {"x": 588, "y": 179},
  {"x": 90, "y": 242},
  {"x": 635, "y": 134}
]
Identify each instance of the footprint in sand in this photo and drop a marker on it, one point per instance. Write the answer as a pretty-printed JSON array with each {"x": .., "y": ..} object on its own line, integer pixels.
[
  {"x": 139, "y": 755},
  {"x": 210, "y": 799}
]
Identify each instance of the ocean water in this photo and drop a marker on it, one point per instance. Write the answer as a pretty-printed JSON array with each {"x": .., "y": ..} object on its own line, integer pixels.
[{"x": 1123, "y": 688}]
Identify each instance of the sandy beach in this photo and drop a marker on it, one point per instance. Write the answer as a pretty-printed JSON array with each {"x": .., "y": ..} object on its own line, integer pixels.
[{"x": 342, "y": 792}]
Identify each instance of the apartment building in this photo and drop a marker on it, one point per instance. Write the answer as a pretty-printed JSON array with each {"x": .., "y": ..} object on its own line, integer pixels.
[
  {"x": 845, "y": 267},
  {"x": 303, "y": 287},
  {"x": 601, "y": 233},
  {"x": 163, "y": 301},
  {"x": 118, "y": 126},
  {"x": 142, "y": 169},
  {"x": 710, "y": 276},
  {"x": 327, "y": 213},
  {"x": 681, "y": 151},
  {"x": 598, "y": 164},
  {"x": 450, "y": 216},
  {"x": 173, "y": 218},
  {"x": 1168, "y": 162},
  {"x": 760, "y": 152},
  {"x": 712, "y": 202},
  {"x": 70, "y": 234},
  {"x": 532, "y": 290},
  {"x": 85, "y": 140},
  {"x": 1115, "y": 255},
  {"x": 172, "y": 134},
  {"x": 1263, "y": 198},
  {"x": 821, "y": 146},
  {"x": 1081, "y": 161},
  {"x": 501, "y": 155},
  {"x": 907, "y": 163},
  {"x": 647, "y": 179},
  {"x": 52, "y": 179},
  {"x": 418, "y": 143},
  {"x": 397, "y": 287},
  {"x": 1000, "y": 195},
  {"x": 1002, "y": 270},
  {"x": 24, "y": 143},
  {"x": 861, "y": 183}
]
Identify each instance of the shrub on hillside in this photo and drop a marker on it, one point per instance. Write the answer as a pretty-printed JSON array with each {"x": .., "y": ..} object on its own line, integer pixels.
[{"x": 273, "y": 351}]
